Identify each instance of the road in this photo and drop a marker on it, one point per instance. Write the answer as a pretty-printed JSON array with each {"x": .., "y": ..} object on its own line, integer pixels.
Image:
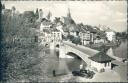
[{"x": 86, "y": 50}]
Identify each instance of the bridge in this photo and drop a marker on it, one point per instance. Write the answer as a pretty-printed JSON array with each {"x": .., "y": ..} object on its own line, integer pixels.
[{"x": 83, "y": 52}]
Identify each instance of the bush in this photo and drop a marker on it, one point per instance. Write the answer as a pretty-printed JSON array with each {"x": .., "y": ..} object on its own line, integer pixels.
[{"x": 19, "y": 52}]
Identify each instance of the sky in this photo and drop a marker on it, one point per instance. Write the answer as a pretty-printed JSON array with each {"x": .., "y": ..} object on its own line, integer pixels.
[{"x": 112, "y": 14}]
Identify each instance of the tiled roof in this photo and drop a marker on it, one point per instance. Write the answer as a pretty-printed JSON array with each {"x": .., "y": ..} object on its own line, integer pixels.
[{"x": 101, "y": 57}]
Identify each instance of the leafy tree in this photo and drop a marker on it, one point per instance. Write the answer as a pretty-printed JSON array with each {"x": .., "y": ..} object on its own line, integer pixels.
[
  {"x": 3, "y": 6},
  {"x": 76, "y": 40},
  {"x": 37, "y": 13},
  {"x": 13, "y": 8},
  {"x": 70, "y": 37},
  {"x": 19, "y": 50}
]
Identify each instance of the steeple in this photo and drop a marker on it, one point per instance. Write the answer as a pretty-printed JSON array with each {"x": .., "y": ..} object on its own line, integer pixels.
[
  {"x": 69, "y": 14},
  {"x": 40, "y": 14},
  {"x": 49, "y": 15}
]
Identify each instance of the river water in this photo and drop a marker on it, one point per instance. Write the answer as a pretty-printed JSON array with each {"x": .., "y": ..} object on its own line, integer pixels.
[
  {"x": 121, "y": 50},
  {"x": 64, "y": 66}
]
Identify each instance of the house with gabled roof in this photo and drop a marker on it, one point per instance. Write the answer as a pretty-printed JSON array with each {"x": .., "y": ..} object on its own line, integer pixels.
[
  {"x": 84, "y": 35},
  {"x": 101, "y": 61},
  {"x": 110, "y": 34}
]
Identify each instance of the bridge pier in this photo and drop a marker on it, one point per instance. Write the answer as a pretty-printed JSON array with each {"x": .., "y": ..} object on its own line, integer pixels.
[
  {"x": 52, "y": 46},
  {"x": 62, "y": 51}
]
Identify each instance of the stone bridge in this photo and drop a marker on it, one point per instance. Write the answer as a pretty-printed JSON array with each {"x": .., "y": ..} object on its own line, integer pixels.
[{"x": 83, "y": 52}]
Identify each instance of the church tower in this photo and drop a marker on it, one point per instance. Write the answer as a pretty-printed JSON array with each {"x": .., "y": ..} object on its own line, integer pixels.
[
  {"x": 40, "y": 14},
  {"x": 69, "y": 14},
  {"x": 13, "y": 10},
  {"x": 49, "y": 15}
]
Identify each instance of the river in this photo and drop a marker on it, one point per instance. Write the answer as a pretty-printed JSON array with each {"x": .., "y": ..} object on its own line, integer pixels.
[
  {"x": 64, "y": 66},
  {"x": 121, "y": 50}
]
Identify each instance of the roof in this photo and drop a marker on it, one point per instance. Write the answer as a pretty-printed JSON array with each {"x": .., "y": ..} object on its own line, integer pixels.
[
  {"x": 101, "y": 57},
  {"x": 46, "y": 30},
  {"x": 55, "y": 30},
  {"x": 109, "y": 30},
  {"x": 81, "y": 28},
  {"x": 46, "y": 23},
  {"x": 68, "y": 20}
]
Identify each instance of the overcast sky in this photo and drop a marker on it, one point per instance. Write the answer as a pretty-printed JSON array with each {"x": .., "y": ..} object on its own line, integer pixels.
[{"x": 110, "y": 13}]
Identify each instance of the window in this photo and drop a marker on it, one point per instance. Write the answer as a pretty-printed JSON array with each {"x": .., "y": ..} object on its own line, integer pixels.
[{"x": 105, "y": 64}]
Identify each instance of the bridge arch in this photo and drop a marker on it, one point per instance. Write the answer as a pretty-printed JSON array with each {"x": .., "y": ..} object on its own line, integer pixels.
[
  {"x": 76, "y": 56},
  {"x": 73, "y": 55}
]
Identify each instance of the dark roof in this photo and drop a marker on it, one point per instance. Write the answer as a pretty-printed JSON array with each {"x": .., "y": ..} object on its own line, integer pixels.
[
  {"x": 68, "y": 20},
  {"x": 46, "y": 23},
  {"x": 81, "y": 28},
  {"x": 54, "y": 30},
  {"x": 46, "y": 30},
  {"x": 65, "y": 29},
  {"x": 101, "y": 57}
]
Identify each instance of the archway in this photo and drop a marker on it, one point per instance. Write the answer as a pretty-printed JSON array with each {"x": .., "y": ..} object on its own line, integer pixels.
[
  {"x": 76, "y": 61},
  {"x": 73, "y": 55}
]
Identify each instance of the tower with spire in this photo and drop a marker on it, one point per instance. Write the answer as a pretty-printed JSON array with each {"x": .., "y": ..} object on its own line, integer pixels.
[
  {"x": 49, "y": 15},
  {"x": 69, "y": 14},
  {"x": 40, "y": 14}
]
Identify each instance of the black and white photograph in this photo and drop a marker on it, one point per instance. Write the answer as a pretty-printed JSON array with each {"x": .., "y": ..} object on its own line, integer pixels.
[{"x": 63, "y": 41}]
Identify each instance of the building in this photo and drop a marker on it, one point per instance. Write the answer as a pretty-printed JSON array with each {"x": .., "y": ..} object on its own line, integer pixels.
[
  {"x": 84, "y": 34},
  {"x": 70, "y": 24},
  {"x": 110, "y": 34},
  {"x": 45, "y": 24},
  {"x": 56, "y": 35},
  {"x": 101, "y": 61},
  {"x": 99, "y": 40},
  {"x": 45, "y": 31},
  {"x": 40, "y": 14},
  {"x": 85, "y": 37},
  {"x": 45, "y": 36}
]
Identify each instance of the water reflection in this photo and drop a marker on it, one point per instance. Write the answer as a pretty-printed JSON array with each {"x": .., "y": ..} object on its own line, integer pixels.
[
  {"x": 62, "y": 66},
  {"x": 121, "y": 50}
]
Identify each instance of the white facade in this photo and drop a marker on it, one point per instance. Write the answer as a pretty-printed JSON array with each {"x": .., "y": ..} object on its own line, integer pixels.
[
  {"x": 85, "y": 37},
  {"x": 100, "y": 66},
  {"x": 56, "y": 36},
  {"x": 110, "y": 35},
  {"x": 43, "y": 26},
  {"x": 45, "y": 34},
  {"x": 99, "y": 41}
]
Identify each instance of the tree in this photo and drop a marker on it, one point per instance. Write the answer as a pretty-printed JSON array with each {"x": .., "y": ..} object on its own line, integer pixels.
[
  {"x": 3, "y": 6},
  {"x": 76, "y": 40},
  {"x": 19, "y": 52},
  {"x": 13, "y": 8},
  {"x": 37, "y": 13},
  {"x": 70, "y": 37}
]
